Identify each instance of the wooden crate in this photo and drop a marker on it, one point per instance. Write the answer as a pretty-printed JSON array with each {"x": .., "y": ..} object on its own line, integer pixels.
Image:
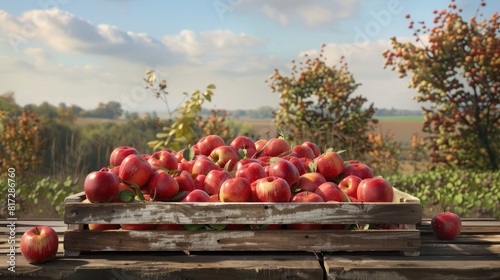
[{"x": 404, "y": 211}]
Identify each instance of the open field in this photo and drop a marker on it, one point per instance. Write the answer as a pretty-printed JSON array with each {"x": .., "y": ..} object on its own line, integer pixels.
[{"x": 403, "y": 127}]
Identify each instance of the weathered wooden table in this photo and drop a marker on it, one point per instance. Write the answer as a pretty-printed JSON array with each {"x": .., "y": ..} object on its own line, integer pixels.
[{"x": 475, "y": 254}]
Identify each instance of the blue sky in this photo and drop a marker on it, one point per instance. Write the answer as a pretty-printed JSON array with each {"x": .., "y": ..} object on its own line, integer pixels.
[{"x": 86, "y": 52}]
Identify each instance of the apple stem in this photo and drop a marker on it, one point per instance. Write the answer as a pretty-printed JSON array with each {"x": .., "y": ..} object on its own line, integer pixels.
[{"x": 37, "y": 232}]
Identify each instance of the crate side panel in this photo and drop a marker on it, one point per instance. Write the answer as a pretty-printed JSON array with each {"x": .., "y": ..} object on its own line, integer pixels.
[
  {"x": 242, "y": 213},
  {"x": 265, "y": 240}
]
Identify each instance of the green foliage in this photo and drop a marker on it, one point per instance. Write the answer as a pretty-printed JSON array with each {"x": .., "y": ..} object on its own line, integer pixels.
[
  {"x": 465, "y": 192},
  {"x": 456, "y": 71},
  {"x": 54, "y": 191}
]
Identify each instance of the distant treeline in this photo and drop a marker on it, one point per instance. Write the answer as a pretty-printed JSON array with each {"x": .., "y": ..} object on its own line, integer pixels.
[{"x": 113, "y": 110}]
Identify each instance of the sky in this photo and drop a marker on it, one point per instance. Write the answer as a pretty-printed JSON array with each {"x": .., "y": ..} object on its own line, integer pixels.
[{"x": 86, "y": 52}]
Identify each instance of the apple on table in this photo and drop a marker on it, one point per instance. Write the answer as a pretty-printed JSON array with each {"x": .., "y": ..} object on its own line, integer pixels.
[{"x": 39, "y": 244}]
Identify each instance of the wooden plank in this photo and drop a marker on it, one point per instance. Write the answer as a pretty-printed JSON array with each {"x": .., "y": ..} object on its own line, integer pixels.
[
  {"x": 483, "y": 225},
  {"x": 241, "y": 213},
  {"x": 259, "y": 240},
  {"x": 340, "y": 267},
  {"x": 174, "y": 265}
]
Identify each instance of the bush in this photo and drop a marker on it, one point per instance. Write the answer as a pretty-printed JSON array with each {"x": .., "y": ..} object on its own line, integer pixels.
[{"x": 465, "y": 192}]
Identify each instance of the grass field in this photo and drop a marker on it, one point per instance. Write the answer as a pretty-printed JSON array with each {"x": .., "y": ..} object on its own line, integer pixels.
[{"x": 403, "y": 127}]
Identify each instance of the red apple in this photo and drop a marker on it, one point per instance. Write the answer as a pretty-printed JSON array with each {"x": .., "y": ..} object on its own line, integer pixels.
[
  {"x": 306, "y": 196},
  {"x": 260, "y": 144},
  {"x": 197, "y": 196},
  {"x": 244, "y": 143},
  {"x": 199, "y": 181},
  {"x": 235, "y": 190},
  {"x": 39, "y": 244},
  {"x": 214, "y": 180},
  {"x": 310, "y": 181},
  {"x": 161, "y": 186},
  {"x": 329, "y": 191},
  {"x": 120, "y": 153},
  {"x": 375, "y": 189},
  {"x": 115, "y": 170},
  {"x": 138, "y": 226},
  {"x": 169, "y": 227},
  {"x": 298, "y": 162},
  {"x": 251, "y": 171},
  {"x": 276, "y": 147},
  {"x": 313, "y": 147},
  {"x": 303, "y": 151},
  {"x": 101, "y": 186},
  {"x": 264, "y": 161},
  {"x": 135, "y": 169},
  {"x": 286, "y": 170},
  {"x": 272, "y": 189},
  {"x": 225, "y": 156},
  {"x": 330, "y": 164},
  {"x": 204, "y": 165},
  {"x": 349, "y": 185},
  {"x": 186, "y": 165},
  {"x": 358, "y": 168},
  {"x": 446, "y": 225},
  {"x": 244, "y": 161},
  {"x": 163, "y": 159},
  {"x": 208, "y": 143},
  {"x": 103, "y": 226},
  {"x": 185, "y": 181}
]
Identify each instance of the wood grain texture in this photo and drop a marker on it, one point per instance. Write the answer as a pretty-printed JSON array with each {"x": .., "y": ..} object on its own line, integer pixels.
[{"x": 261, "y": 240}]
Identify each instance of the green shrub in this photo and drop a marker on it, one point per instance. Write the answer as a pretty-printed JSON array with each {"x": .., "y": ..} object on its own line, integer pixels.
[{"x": 465, "y": 192}]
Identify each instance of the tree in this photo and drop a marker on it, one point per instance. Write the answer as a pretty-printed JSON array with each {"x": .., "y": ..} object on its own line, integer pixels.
[
  {"x": 454, "y": 66},
  {"x": 318, "y": 104}
]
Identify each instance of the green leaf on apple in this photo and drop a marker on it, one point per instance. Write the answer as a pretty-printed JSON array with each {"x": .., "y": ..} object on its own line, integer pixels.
[
  {"x": 177, "y": 197},
  {"x": 126, "y": 196},
  {"x": 341, "y": 151},
  {"x": 260, "y": 227},
  {"x": 188, "y": 153},
  {"x": 312, "y": 167},
  {"x": 139, "y": 192},
  {"x": 242, "y": 153},
  {"x": 193, "y": 227},
  {"x": 227, "y": 165},
  {"x": 273, "y": 160},
  {"x": 216, "y": 227}
]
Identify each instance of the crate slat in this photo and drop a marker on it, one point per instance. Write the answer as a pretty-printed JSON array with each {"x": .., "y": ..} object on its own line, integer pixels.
[
  {"x": 241, "y": 213},
  {"x": 244, "y": 240}
]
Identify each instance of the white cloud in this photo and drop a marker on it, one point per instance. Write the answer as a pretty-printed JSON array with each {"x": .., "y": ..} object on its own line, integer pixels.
[
  {"x": 312, "y": 15},
  {"x": 69, "y": 59},
  {"x": 275, "y": 15}
]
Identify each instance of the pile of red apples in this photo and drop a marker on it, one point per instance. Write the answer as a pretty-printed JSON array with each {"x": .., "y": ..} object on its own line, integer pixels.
[{"x": 243, "y": 170}]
